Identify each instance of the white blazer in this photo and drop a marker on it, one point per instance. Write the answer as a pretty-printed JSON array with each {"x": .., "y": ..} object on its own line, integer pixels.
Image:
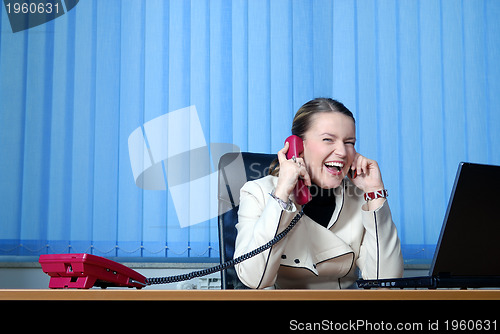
[{"x": 312, "y": 256}]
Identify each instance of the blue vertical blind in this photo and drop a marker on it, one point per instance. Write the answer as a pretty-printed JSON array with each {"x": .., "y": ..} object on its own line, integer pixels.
[{"x": 422, "y": 78}]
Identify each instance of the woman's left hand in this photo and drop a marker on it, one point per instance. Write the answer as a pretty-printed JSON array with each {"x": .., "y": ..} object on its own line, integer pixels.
[{"x": 368, "y": 176}]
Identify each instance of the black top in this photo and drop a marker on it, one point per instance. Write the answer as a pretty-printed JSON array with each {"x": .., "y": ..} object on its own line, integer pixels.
[{"x": 321, "y": 207}]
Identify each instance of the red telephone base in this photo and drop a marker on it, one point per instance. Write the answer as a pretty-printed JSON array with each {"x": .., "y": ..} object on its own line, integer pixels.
[{"x": 83, "y": 271}]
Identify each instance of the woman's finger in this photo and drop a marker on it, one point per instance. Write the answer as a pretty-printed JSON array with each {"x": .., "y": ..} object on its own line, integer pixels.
[
  {"x": 300, "y": 162},
  {"x": 282, "y": 153},
  {"x": 304, "y": 175},
  {"x": 354, "y": 164},
  {"x": 359, "y": 164}
]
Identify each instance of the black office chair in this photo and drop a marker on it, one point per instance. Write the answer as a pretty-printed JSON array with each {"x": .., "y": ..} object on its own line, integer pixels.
[{"x": 234, "y": 170}]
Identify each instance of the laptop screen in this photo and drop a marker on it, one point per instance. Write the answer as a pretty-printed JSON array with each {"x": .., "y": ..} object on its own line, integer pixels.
[{"x": 469, "y": 243}]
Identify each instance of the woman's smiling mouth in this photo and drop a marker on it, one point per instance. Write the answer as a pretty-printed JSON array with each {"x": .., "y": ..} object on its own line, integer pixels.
[{"x": 334, "y": 167}]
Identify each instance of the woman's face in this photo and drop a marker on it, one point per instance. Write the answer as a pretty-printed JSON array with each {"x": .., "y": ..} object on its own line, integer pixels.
[{"x": 329, "y": 148}]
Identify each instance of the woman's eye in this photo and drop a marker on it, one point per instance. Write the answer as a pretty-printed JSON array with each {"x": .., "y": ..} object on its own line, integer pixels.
[{"x": 327, "y": 139}]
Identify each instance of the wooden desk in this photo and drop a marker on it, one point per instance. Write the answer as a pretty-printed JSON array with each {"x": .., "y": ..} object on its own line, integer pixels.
[
  {"x": 247, "y": 295},
  {"x": 271, "y": 311}
]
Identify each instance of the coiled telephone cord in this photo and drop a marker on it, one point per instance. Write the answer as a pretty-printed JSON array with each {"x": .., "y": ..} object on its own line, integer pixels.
[{"x": 227, "y": 264}]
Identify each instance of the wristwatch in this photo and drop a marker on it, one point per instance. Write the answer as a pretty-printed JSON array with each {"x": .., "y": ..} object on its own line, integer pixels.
[{"x": 287, "y": 206}]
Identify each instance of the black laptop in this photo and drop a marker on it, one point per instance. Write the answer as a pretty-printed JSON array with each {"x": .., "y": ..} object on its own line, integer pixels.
[{"x": 468, "y": 250}]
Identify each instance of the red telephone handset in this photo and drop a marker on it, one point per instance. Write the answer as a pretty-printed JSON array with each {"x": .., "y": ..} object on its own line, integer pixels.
[{"x": 301, "y": 192}]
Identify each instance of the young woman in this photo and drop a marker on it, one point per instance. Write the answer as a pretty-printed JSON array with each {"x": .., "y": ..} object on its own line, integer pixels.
[{"x": 346, "y": 227}]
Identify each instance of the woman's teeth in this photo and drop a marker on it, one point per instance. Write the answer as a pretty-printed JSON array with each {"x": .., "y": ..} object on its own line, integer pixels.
[{"x": 334, "y": 164}]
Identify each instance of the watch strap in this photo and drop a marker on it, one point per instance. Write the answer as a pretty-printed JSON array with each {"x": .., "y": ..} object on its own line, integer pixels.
[
  {"x": 287, "y": 206},
  {"x": 376, "y": 194}
]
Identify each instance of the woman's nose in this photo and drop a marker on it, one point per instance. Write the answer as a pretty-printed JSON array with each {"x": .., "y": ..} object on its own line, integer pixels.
[{"x": 340, "y": 150}]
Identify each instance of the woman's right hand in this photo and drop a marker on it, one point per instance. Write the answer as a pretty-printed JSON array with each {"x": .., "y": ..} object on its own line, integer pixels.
[{"x": 289, "y": 173}]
